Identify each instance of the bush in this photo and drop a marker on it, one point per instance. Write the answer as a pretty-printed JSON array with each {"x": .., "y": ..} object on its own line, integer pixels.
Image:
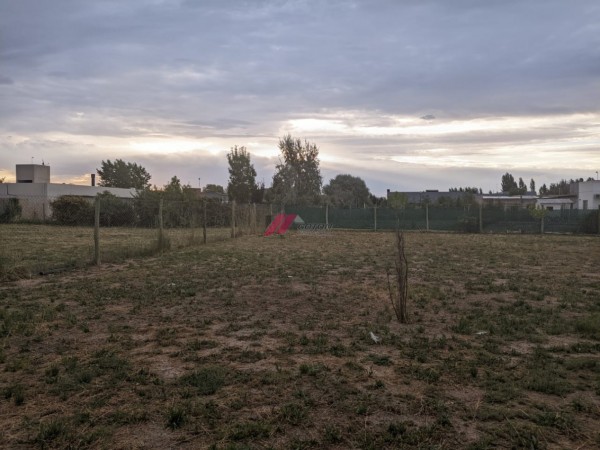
[
  {"x": 10, "y": 210},
  {"x": 72, "y": 210},
  {"x": 115, "y": 212}
]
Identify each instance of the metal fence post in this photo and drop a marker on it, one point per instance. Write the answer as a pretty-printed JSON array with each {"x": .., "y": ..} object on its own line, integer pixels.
[
  {"x": 542, "y": 225},
  {"x": 481, "y": 218},
  {"x": 97, "y": 231},
  {"x": 427, "y": 216},
  {"x": 375, "y": 217},
  {"x": 327, "y": 214}
]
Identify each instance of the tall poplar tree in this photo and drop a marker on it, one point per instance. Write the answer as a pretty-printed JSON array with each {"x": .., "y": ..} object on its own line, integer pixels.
[
  {"x": 297, "y": 179},
  {"x": 242, "y": 185}
]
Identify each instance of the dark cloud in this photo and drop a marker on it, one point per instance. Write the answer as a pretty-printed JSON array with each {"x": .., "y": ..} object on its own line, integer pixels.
[{"x": 242, "y": 69}]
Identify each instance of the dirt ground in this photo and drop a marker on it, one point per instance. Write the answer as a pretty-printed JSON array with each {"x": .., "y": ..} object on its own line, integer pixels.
[{"x": 266, "y": 343}]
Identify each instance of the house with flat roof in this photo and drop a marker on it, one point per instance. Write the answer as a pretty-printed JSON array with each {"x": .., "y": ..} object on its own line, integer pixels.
[
  {"x": 35, "y": 191},
  {"x": 583, "y": 195}
]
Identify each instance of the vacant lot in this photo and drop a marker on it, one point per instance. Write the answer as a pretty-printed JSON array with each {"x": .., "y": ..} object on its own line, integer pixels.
[
  {"x": 265, "y": 343},
  {"x": 30, "y": 249}
]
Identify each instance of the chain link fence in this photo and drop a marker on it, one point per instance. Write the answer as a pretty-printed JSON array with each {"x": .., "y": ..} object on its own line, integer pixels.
[{"x": 46, "y": 235}]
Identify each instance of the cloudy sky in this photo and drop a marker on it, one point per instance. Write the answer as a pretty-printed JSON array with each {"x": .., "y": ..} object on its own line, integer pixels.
[{"x": 407, "y": 94}]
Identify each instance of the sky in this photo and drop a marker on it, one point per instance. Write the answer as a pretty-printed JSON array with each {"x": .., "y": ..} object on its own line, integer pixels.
[{"x": 408, "y": 95}]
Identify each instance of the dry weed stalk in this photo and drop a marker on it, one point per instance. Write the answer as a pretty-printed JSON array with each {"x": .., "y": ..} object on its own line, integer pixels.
[{"x": 401, "y": 265}]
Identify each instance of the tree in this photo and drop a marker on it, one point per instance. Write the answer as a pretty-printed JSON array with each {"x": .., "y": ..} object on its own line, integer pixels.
[
  {"x": 544, "y": 189},
  {"x": 297, "y": 179},
  {"x": 532, "y": 185},
  {"x": 242, "y": 176},
  {"x": 347, "y": 191},
  {"x": 522, "y": 187},
  {"x": 123, "y": 174},
  {"x": 472, "y": 190},
  {"x": 508, "y": 183}
]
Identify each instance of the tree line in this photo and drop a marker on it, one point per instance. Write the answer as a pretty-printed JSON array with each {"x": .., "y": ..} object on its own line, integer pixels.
[{"x": 297, "y": 180}]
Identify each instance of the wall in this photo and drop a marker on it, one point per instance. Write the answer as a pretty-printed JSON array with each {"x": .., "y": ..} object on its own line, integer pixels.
[
  {"x": 35, "y": 198},
  {"x": 590, "y": 191}
]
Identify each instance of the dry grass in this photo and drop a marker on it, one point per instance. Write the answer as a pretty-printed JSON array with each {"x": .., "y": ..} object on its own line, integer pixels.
[
  {"x": 30, "y": 249},
  {"x": 265, "y": 343}
]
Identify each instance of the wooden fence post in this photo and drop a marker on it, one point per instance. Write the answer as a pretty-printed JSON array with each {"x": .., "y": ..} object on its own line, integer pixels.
[
  {"x": 481, "y": 218},
  {"x": 204, "y": 221},
  {"x": 542, "y": 225},
  {"x": 97, "y": 231},
  {"x": 327, "y": 214},
  {"x": 161, "y": 236},
  {"x": 233, "y": 218},
  {"x": 254, "y": 222},
  {"x": 427, "y": 216}
]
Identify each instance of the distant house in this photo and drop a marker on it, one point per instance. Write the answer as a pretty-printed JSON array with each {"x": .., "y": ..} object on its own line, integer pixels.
[
  {"x": 583, "y": 195},
  {"x": 430, "y": 197},
  {"x": 556, "y": 203},
  {"x": 35, "y": 192},
  {"x": 210, "y": 195},
  {"x": 510, "y": 201}
]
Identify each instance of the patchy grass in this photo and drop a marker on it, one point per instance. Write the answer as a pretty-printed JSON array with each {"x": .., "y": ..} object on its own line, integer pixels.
[
  {"x": 266, "y": 343},
  {"x": 27, "y": 250}
]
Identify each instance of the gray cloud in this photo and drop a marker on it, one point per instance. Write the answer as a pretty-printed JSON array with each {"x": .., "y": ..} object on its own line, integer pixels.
[{"x": 73, "y": 72}]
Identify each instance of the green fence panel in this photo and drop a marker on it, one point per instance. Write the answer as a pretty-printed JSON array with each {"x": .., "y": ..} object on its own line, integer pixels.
[{"x": 358, "y": 219}]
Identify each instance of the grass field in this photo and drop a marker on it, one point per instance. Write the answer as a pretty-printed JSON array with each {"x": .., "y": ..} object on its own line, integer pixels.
[
  {"x": 265, "y": 343},
  {"x": 27, "y": 249}
]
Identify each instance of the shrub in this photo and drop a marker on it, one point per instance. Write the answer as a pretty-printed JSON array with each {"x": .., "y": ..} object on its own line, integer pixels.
[
  {"x": 72, "y": 210},
  {"x": 115, "y": 212},
  {"x": 10, "y": 210}
]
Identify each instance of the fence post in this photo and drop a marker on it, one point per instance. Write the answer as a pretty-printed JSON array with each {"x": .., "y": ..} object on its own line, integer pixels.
[
  {"x": 598, "y": 219},
  {"x": 204, "y": 221},
  {"x": 481, "y": 218},
  {"x": 97, "y": 231},
  {"x": 542, "y": 225},
  {"x": 327, "y": 214},
  {"x": 233, "y": 218},
  {"x": 427, "y": 216},
  {"x": 254, "y": 222},
  {"x": 375, "y": 217},
  {"x": 161, "y": 236}
]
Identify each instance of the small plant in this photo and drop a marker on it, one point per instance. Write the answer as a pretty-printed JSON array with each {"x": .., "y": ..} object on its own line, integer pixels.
[
  {"x": 206, "y": 380},
  {"x": 401, "y": 266},
  {"x": 176, "y": 417}
]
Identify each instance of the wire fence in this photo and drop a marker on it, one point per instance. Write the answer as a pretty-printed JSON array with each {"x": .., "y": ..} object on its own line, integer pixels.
[
  {"x": 41, "y": 235},
  {"x": 44, "y": 235}
]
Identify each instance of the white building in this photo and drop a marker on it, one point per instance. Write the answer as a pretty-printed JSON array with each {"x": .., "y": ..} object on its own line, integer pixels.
[
  {"x": 34, "y": 191},
  {"x": 588, "y": 195},
  {"x": 583, "y": 195}
]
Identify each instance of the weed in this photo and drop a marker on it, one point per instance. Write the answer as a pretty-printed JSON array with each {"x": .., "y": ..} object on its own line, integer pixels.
[
  {"x": 293, "y": 413},
  {"x": 176, "y": 417},
  {"x": 250, "y": 430},
  {"x": 206, "y": 380}
]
